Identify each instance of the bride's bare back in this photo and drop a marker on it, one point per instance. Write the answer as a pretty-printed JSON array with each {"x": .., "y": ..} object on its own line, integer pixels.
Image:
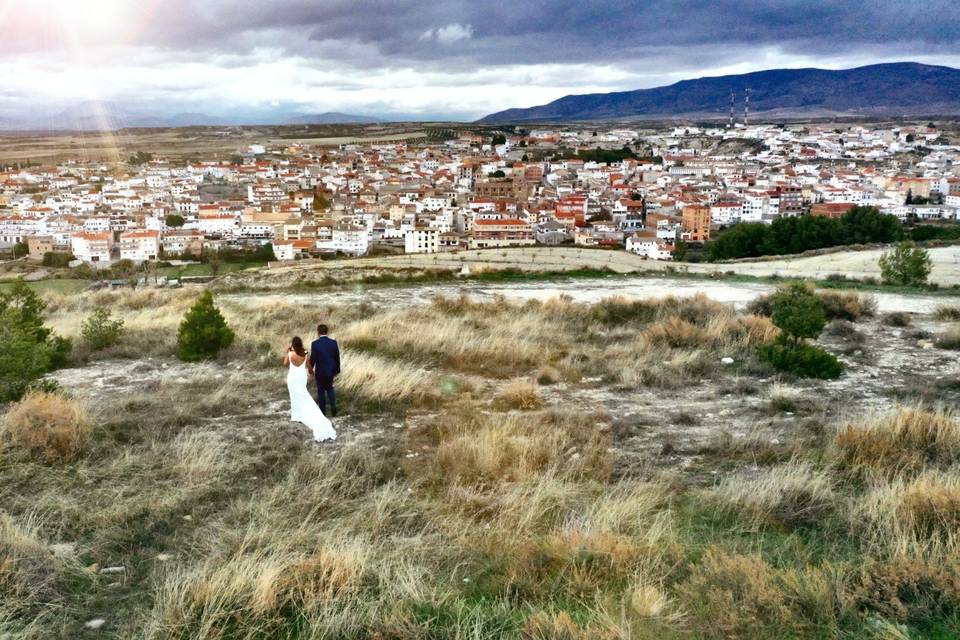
[{"x": 292, "y": 357}]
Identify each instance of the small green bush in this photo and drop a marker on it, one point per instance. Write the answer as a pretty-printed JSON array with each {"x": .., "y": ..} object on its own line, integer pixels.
[
  {"x": 203, "y": 332},
  {"x": 100, "y": 330},
  {"x": 801, "y": 359}
]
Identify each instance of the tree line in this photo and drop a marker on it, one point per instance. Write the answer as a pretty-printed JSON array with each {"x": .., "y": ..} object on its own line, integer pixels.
[{"x": 860, "y": 225}]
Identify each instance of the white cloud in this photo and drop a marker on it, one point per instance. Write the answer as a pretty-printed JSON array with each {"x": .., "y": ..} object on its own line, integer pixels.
[{"x": 449, "y": 34}]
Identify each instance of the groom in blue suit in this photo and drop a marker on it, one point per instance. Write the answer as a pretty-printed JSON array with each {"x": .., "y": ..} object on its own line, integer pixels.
[{"x": 325, "y": 355}]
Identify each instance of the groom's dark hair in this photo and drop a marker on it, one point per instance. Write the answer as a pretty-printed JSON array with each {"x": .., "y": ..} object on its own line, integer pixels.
[{"x": 322, "y": 329}]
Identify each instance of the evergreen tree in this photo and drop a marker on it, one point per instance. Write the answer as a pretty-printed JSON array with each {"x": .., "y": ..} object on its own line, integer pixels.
[
  {"x": 174, "y": 220},
  {"x": 28, "y": 348},
  {"x": 799, "y": 314},
  {"x": 203, "y": 332},
  {"x": 100, "y": 330},
  {"x": 798, "y": 311}
]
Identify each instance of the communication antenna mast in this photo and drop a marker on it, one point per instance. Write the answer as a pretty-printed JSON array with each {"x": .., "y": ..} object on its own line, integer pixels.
[
  {"x": 733, "y": 97},
  {"x": 746, "y": 106}
]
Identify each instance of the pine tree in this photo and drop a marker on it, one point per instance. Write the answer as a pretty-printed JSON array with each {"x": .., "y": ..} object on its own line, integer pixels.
[{"x": 203, "y": 332}]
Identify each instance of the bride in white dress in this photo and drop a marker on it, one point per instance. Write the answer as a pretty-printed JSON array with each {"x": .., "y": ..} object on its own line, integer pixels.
[{"x": 303, "y": 408}]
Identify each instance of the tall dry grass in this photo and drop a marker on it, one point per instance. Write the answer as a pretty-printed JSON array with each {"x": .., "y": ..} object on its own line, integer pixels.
[
  {"x": 489, "y": 338},
  {"x": 796, "y": 494},
  {"x": 384, "y": 380},
  {"x": 907, "y": 441},
  {"x": 847, "y": 305},
  {"x": 487, "y": 449},
  {"x": 32, "y": 578},
  {"x": 913, "y": 518},
  {"x": 252, "y": 593},
  {"x": 519, "y": 394}
]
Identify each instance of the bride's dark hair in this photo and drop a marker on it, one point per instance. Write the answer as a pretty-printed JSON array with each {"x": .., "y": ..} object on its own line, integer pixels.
[{"x": 297, "y": 345}]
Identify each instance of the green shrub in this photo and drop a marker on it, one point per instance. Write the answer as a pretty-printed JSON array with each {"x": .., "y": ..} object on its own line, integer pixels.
[
  {"x": 907, "y": 265},
  {"x": 22, "y": 358},
  {"x": 797, "y": 311},
  {"x": 837, "y": 305},
  {"x": 801, "y": 359},
  {"x": 57, "y": 259},
  {"x": 203, "y": 332},
  {"x": 28, "y": 349},
  {"x": 100, "y": 330}
]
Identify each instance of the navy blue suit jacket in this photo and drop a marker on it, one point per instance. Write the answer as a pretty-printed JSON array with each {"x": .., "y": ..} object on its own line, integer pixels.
[{"x": 325, "y": 355}]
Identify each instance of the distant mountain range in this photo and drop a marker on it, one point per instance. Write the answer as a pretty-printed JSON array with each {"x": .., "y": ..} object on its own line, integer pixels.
[
  {"x": 109, "y": 116},
  {"x": 894, "y": 89}
]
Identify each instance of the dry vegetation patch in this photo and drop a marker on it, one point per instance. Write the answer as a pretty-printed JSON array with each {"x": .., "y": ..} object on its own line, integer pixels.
[
  {"x": 489, "y": 449},
  {"x": 742, "y": 596},
  {"x": 917, "y": 518},
  {"x": 385, "y": 380},
  {"x": 847, "y": 305},
  {"x": 48, "y": 425}
]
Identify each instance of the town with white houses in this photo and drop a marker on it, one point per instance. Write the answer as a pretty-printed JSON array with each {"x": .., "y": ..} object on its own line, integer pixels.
[{"x": 619, "y": 189}]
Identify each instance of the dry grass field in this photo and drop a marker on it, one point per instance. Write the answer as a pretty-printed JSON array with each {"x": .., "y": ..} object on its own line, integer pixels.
[{"x": 540, "y": 470}]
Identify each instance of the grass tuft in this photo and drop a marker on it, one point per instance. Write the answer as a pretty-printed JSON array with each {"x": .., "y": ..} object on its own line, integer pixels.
[{"x": 519, "y": 394}]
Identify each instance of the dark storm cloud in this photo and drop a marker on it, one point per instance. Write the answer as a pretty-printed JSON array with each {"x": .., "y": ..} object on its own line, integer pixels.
[{"x": 381, "y": 32}]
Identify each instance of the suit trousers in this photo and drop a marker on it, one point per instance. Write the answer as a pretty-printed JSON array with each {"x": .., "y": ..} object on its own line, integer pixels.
[{"x": 326, "y": 393}]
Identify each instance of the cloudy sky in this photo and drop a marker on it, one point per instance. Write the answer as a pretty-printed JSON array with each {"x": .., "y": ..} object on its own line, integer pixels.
[{"x": 457, "y": 59}]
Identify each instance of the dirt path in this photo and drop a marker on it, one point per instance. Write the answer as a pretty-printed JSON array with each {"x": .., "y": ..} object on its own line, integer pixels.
[
  {"x": 579, "y": 289},
  {"x": 853, "y": 264}
]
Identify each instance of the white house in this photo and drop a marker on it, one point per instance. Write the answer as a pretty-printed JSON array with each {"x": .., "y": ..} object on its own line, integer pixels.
[
  {"x": 217, "y": 224},
  {"x": 92, "y": 247},
  {"x": 725, "y": 213},
  {"x": 649, "y": 246},
  {"x": 347, "y": 237},
  {"x": 290, "y": 249},
  {"x": 139, "y": 246},
  {"x": 422, "y": 240}
]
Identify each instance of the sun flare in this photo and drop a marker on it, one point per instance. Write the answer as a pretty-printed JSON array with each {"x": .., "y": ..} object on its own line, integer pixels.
[{"x": 85, "y": 17}]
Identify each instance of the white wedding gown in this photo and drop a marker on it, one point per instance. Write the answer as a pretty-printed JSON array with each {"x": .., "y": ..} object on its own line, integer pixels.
[{"x": 303, "y": 408}]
